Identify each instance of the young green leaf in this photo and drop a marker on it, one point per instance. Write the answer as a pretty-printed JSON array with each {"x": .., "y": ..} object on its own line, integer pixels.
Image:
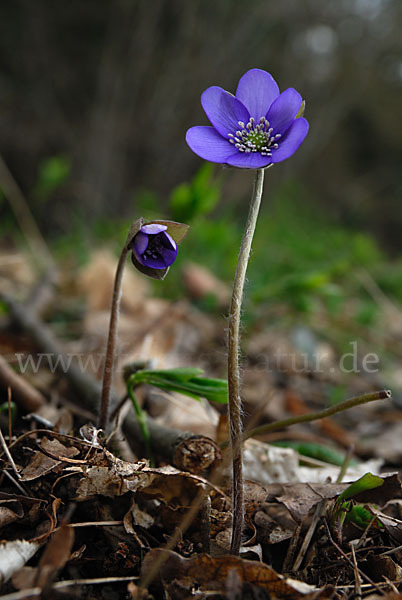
[
  {"x": 367, "y": 482},
  {"x": 185, "y": 381}
]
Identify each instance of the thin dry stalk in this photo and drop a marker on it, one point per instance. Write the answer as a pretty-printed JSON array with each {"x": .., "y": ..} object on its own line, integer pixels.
[
  {"x": 310, "y": 532},
  {"x": 358, "y": 589},
  {"x": 23, "y": 214},
  {"x": 8, "y": 454},
  {"x": 10, "y": 421}
]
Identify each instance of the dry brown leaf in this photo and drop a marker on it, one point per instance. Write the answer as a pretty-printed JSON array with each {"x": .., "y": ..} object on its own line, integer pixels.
[
  {"x": 24, "y": 578},
  {"x": 274, "y": 523},
  {"x": 41, "y": 464},
  {"x": 200, "y": 283},
  {"x": 383, "y": 567},
  {"x": 96, "y": 279},
  {"x": 301, "y": 498},
  {"x": 55, "y": 556},
  {"x": 211, "y": 573},
  {"x": 111, "y": 476},
  {"x": 10, "y": 510}
]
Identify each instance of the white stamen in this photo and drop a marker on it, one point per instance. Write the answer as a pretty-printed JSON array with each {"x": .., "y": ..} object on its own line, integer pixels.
[{"x": 255, "y": 137}]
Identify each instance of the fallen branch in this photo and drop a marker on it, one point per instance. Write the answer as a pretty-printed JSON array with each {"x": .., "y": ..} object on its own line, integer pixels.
[
  {"x": 23, "y": 393},
  {"x": 86, "y": 387}
]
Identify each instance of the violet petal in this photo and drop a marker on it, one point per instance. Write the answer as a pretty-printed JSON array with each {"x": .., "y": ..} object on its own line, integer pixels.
[
  {"x": 283, "y": 110},
  {"x": 208, "y": 144},
  {"x": 140, "y": 242},
  {"x": 223, "y": 110},
  {"x": 163, "y": 260},
  {"x": 168, "y": 242},
  {"x": 257, "y": 90},
  {"x": 290, "y": 142},
  {"x": 153, "y": 228},
  {"x": 249, "y": 160}
]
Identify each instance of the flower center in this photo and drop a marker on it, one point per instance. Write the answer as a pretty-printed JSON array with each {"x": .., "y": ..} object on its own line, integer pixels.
[
  {"x": 156, "y": 247},
  {"x": 255, "y": 137}
]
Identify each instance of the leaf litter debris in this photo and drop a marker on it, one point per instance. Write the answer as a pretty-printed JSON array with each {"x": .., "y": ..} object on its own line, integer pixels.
[{"x": 78, "y": 514}]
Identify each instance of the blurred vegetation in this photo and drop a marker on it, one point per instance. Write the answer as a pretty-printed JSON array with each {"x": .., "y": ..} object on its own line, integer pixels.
[
  {"x": 301, "y": 258},
  {"x": 96, "y": 96},
  {"x": 97, "y": 140}
]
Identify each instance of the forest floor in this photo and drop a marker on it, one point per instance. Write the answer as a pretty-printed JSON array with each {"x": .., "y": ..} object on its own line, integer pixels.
[{"x": 87, "y": 514}]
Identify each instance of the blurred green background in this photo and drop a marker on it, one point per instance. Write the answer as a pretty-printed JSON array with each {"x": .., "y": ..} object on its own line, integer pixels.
[
  {"x": 96, "y": 97},
  {"x": 106, "y": 90}
]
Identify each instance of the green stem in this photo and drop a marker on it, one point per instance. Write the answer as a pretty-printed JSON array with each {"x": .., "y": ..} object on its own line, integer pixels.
[
  {"x": 345, "y": 464},
  {"x": 235, "y": 409},
  {"x": 328, "y": 412}
]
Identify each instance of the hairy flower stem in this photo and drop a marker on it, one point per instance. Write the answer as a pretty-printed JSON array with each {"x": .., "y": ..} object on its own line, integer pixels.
[
  {"x": 111, "y": 342},
  {"x": 235, "y": 409},
  {"x": 112, "y": 336}
]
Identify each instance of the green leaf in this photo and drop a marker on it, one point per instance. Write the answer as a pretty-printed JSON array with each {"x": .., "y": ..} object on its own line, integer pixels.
[
  {"x": 367, "y": 482},
  {"x": 197, "y": 198},
  {"x": 360, "y": 516},
  {"x": 315, "y": 450},
  {"x": 181, "y": 374},
  {"x": 185, "y": 381},
  {"x": 4, "y": 409},
  {"x": 343, "y": 505}
]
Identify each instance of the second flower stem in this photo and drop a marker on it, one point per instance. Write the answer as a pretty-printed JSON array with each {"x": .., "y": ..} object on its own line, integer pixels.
[
  {"x": 235, "y": 408},
  {"x": 111, "y": 341}
]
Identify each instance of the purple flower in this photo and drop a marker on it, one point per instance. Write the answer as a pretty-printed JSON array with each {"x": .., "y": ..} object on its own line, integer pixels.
[
  {"x": 153, "y": 247},
  {"x": 256, "y": 128}
]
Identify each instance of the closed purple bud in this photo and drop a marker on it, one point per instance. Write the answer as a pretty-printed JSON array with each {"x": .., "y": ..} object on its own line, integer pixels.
[{"x": 153, "y": 247}]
